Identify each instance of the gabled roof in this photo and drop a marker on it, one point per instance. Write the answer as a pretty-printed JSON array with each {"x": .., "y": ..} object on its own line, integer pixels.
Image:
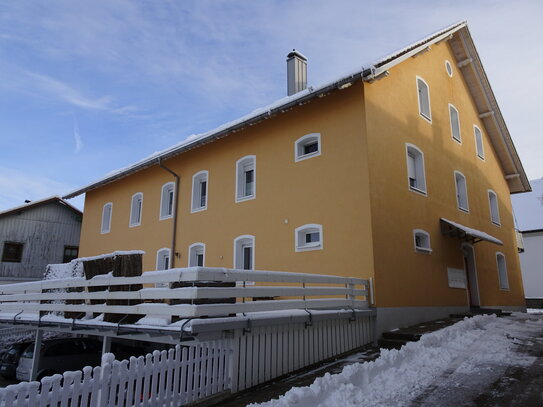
[
  {"x": 41, "y": 202},
  {"x": 467, "y": 60}
]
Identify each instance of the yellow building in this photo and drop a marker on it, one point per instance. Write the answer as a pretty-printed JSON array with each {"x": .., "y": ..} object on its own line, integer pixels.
[{"x": 400, "y": 172}]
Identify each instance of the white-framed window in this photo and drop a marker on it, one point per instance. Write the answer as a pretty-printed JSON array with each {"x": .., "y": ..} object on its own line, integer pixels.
[
  {"x": 461, "y": 191},
  {"x": 479, "y": 142},
  {"x": 197, "y": 253},
  {"x": 136, "y": 207},
  {"x": 494, "y": 209},
  {"x": 307, "y": 146},
  {"x": 308, "y": 237},
  {"x": 199, "y": 191},
  {"x": 423, "y": 92},
  {"x": 421, "y": 240},
  {"x": 167, "y": 200},
  {"x": 244, "y": 252},
  {"x": 455, "y": 123},
  {"x": 246, "y": 178},
  {"x": 502, "y": 271},
  {"x": 107, "y": 210},
  {"x": 448, "y": 68},
  {"x": 163, "y": 259},
  {"x": 416, "y": 177}
]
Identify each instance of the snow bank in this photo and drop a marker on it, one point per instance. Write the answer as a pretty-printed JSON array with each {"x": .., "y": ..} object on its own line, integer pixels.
[{"x": 398, "y": 377}]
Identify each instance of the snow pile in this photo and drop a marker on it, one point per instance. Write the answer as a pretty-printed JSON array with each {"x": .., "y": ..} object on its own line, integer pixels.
[
  {"x": 64, "y": 271},
  {"x": 471, "y": 349}
]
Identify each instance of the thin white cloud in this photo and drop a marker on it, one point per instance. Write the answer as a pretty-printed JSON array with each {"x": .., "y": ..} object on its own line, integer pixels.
[
  {"x": 16, "y": 187},
  {"x": 77, "y": 137}
]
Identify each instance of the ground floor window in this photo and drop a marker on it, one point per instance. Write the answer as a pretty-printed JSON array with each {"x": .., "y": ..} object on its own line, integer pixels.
[
  {"x": 13, "y": 252},
  {"x": 70, "y": 253}
]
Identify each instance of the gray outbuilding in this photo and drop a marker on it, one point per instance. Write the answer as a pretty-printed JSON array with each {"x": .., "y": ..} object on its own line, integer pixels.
[{"x": 35, "y": 235}]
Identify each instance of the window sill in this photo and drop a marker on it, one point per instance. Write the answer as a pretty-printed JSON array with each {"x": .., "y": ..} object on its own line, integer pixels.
[
  {"x": 459, "y": 141},
  {"x": 498, "y": 224},
  {"x": 165, "y": 217},
  {"x": 308, "y": 248},
  {"x": 245, "y": 198},
  {"x": 135, "y": 225},
  {"x": 104, "y": 232},
  {"x": 482, "y": 158},
  {"x": 306, "y": 156},
  {"x": 428, "y": 119},
  {"x": 423, "y": 250},
  {"x": 418, "y": 191},
  {"x": 463, "y": 210},
  {"x": 194, "y": 210}
]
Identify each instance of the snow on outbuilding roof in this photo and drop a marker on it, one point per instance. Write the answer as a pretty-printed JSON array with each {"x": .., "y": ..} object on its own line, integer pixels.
[
  {"x": 507, "y": 154},
  {"x": 44, "y": 201},
  {"x": 528, "y": 208}
]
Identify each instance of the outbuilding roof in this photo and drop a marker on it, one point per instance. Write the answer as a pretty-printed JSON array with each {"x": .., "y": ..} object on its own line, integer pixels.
[
  {"x": 41, "y": 202},
  {"x": 467, "y": 60}
]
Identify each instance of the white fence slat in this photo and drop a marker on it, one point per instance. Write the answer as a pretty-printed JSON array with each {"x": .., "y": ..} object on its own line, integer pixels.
[
  {"x": 46, "y": 384},
  {"x": 190, "y": 380}
]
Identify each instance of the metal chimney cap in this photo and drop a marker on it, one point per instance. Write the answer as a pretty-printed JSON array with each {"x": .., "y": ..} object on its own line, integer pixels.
[{"x": 298, "y": 54}]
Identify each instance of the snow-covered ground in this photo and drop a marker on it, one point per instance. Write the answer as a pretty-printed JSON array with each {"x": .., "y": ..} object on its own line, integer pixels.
[{"x": 465, "y": 357}]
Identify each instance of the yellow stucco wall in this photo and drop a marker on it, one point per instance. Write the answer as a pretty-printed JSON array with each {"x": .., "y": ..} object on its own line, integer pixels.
[
  {"x": 404, "y": 277},
  {"x": 330, "y": 189}
]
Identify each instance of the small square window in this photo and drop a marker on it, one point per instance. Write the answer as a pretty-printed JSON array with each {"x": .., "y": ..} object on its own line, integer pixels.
[
  {"x": 422, "y": 241},
  {"x": 307, "y": 146},
  {"x": 308, "y": 237},
  {"x": 70, "y": 253},
  {"x": 13, "y": 252}
]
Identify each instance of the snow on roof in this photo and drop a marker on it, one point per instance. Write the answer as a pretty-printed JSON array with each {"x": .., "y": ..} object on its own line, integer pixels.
[
  {"x": 40, "y": 202},
  {"x": 196, "y": 140},
  {"x": 474, "y": 232},
  {"x": 528, "y": 207}
]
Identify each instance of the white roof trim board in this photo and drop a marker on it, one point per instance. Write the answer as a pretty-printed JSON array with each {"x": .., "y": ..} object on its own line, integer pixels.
[
  {"x": 448, "y": 227},
  {"x": 509, "y": 159}
]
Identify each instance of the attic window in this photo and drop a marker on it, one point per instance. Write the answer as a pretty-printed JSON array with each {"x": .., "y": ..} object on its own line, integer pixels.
[
  {"x": 479, "y": 142},
  {"x": 307, "y": 146},
  {"x": 448, "y": 68},
  {"x": 455, "y": 123}
]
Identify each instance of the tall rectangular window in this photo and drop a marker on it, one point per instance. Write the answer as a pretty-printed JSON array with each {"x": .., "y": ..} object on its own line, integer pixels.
[
  {"x": 246, "y": 178},
  {"x": 106, "y": 218},
  {"x": 244, "y": 253},
  {"x": 494, "y": 210},
  {"x": 479, "y": 142},
  {"x": 196, "y": 254},
  {"x": 424, "y": 99},
  {"x": 199, "y": 191},
  {"x": 502, "y": 272},
  {"x": 13, "y": 252},
  {"x": 135, "y": 209},
  {"x": 461, "y": 191},
  {"x": 415, "y": 169},
  {"x": 455, "y": 123},
  {"x": 167, "y": 200}
]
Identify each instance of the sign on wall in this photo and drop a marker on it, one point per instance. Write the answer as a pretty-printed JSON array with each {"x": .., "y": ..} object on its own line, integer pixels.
[{"x": 457, "y": 278}]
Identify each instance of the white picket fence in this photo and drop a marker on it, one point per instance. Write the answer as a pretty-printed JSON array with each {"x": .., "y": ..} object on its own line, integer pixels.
[{"x": 168, "y": 378}]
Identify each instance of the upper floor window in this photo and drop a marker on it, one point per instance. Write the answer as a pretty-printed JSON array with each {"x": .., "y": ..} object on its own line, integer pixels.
[
  {"x": 13, "y": 252},
  {"x": 422, "y": 241},
  {"x": 167, "y": 200},
  {"x": 106, "y": 218},
  {"x": 244, "y": 252},
  {"x": 197, "y": 255},
  {"x": 455, "y": 123},
  {"x": 461, "y": 191},
  {"x": 448, "y": 68},
  {"x": 502, "y": 271},
  {"x": 479, "y": 142},
  {"x": 424, "y": 99},
  {"x": 246, "y": 178},
  {"x": 494, "y": 210},
  {"x": 415, "y": 169},
  {"x": 307, "y": 146},
  {"x": 163, "y": 259},
  {"x": 135, "y": 209},
  {"x": 199, "y": 191},
  {"x": 308, "y": 237}
]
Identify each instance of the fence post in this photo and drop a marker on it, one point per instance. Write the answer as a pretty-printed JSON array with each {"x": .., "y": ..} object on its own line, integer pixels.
[
  {"x": 36, "y": 356},
  {"x": 106, "y": 345}
]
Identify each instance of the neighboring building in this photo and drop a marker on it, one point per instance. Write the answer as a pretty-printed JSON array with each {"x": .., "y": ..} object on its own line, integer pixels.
[
  {"x": 529, "y": 214},
  {"x": 395, "y": 173},
  {"x": 35, "y": 235}
]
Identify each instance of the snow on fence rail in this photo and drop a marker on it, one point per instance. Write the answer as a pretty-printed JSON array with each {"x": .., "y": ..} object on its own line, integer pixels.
[
  {"x": 168, "y": 378},
  {"x": 281, "y": 291}
]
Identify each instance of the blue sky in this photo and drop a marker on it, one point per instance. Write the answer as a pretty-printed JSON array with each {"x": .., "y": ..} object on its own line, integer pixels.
[{"x": 87, "y": 87}]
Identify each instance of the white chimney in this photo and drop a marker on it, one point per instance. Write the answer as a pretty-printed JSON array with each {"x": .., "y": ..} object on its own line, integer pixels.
[{"x": 296, "y": 72}]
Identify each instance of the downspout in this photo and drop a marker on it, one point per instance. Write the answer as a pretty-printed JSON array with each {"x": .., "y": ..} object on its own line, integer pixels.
[{"x": 174, "y": 231}]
